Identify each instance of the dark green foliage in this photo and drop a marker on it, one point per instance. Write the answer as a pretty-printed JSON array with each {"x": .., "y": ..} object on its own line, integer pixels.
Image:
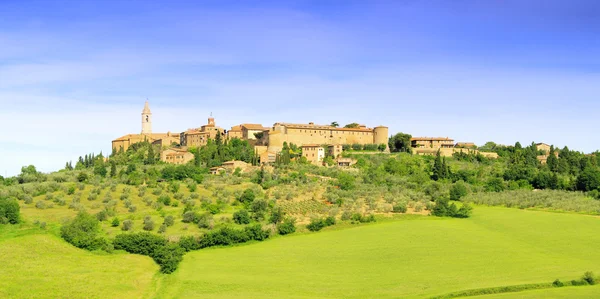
[
  {"x": 589, "y": 179},
  {"x": 276, "y": 215},
  {"x": 189, "y": 243},
  {"x": 241, "y": 217},
  {"x": 346, "y": 181},
  {"x": 316, "y": 225},
  {"x": 229, "y": 236},
  {"x": 399, "y": 208},
  {"x": 9, "y": 211},
  {"x": 164, "y": 199},
  {"x": 182, "y": 172},
  {"x": 259, "y": 206},
  {"x": 288, "y": 226},
  {"x": 588, "y": 277},
  {"x": 83, "y": 231},
  {"x": 100, "y": 168},
  {"x": 115, "y": 222},
  {"x": 557, "y": 283},
  {"x": 213, "y": 208},
  {"x": 400, "y": 143},
  {"x": 247, "y": 196},
  {"x": 443, "y": 208},
  {"x": 82, "y": 177},
  {"x": 458, "y": 191},
  {"x": 166, "y": 255},
  {"x": 494, "y": 185},
  {"x": 358, "y": 218}
]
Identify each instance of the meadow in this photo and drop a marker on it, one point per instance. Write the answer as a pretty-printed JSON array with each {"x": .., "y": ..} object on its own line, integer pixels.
[{"x": 401, "y": 258}]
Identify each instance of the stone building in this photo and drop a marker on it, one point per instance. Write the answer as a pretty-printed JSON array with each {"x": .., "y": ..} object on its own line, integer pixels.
[
  {"x": 199, "y": 136},
  {"x": 301, "y": 134},
  {"x": 543, "y": 147},
  {"x": 314, "y": 153},
  {"x": 432, "y": 142},
  {"x": 124, "y": 142},
  {"x": 176, "y": 156}
]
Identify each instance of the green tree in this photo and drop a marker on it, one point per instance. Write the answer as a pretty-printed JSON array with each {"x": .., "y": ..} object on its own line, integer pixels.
[
  {"x": 9, "y": 211},
  {"x": 100, "y": 168},
  {"x": 335, "y": 124},
  {"x": 458, "y": 190},
  {"x": 400, "y": 143},
  {"x": 113, "y": 169},
  {"x": 352, "y": 126},
  {"x": 552, "y": 161},
  {"x": 438, "y": 170},
  {"x": 151, "y": 158}
]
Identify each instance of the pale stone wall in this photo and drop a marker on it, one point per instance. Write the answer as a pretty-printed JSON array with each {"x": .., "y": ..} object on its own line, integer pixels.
[{"x": 176, "y": 156}]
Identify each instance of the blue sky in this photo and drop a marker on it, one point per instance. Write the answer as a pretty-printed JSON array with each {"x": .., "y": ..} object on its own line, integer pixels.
[{"x": 75, "y": 74}]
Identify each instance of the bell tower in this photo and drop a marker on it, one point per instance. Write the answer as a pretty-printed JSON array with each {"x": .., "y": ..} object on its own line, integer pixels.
[{"x": 146, "y": 119}]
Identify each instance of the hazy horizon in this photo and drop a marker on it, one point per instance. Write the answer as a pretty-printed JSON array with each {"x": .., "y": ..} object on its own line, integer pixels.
[{"x": 75, "y": 75}]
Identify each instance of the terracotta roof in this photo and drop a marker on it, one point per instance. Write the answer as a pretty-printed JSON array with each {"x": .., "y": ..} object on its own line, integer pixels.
[
  {"x": 236, "y": 128},
  {"x": 323, "y": 127},
  {"x": 252, "y": 126},
  {"x": 311, "y": 145},
  {"x": 431, "y": 139}
]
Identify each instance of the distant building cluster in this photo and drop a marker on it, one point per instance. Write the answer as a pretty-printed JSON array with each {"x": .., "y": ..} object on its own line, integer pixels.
[
  {"x": 316, "y": 141},
  {"x": 445, "y": 146}
]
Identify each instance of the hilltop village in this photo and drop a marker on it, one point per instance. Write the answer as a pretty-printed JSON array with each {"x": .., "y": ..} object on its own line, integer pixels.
[{"x": 316, "y": 141}]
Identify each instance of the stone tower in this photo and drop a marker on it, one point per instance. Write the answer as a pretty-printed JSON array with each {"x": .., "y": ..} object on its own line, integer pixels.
[{"x": 146, "y": 120}]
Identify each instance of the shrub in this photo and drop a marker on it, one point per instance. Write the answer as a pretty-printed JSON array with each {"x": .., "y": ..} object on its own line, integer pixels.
[
  {"x": 247, "y": 196},
  {"x": 346, "y": 215},
  {"x": 255, "y": 232},
  {"x": 588, "y": 277},
  {"x": 9, "y": 211},
  {"x": 329, "y": 221},
  {"x": 162, "y": 229},
  {"x": 316, "y": 225},
  {"x": 213, "y": 209},
  {"x": 190, "y": 217},
  {"x": 241, "y": 217},
  {"x": 443, "y": 209},
  {"x": 28, "y": 199},
  {"x": 164, "y": 199},
  {"x": 132, "y": 209},
  {"x": 458, "y": 191},
  {"x": 168, "y": 257},
  {"x": 356, "y": 217},
  {"x": 127, "y": 225},
  {"x": 169, "y": 220},
  {"x": 71, "y": 190},
  {"x": 557, "y": 283},
  {"x": 102, "y": 215},
  {"x": 400, "y": 208},
  {"x": 83, "y": 231},
  {"x": 276, "y": 215},
  {"x": 205, "y": 221},
  {"x": 148, "y": 223},
  {"x": 288, "y": 226},
  {"x": 115, "y": 222},
  {"x": 189, "y": 243},
  {"x": 40, "y": 205}
]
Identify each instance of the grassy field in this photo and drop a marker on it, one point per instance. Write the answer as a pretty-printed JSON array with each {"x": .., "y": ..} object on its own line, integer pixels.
[
  {"x": 40, "y": 265},
  {"x": 412, "y": 258},
  {"x": 575, "y": 292}
]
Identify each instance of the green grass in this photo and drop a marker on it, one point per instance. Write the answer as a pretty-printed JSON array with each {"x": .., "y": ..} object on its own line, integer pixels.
[
  {"x": 38, "y": 265},
  {"x": 569, "y": 292},
  {"x": 496, "y": 247}
]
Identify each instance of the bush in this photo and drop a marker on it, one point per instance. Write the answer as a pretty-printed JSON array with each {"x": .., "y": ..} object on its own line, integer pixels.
[
  {"x": 83, "y": 231},
  {"x": 205, "y": 221},
  {"x": 102, "y": 215},
  {"x": 588, "y": 277},
  {"x": 458, "y": 191},
  {"x": 241, "y": 217},
  {"x": 255, "y": 232},
  {"x": 329, "y": 221},
  {"x": 127, "y": 225},
  {"x": 288, "y": 226},
  {"x": 188, "y": 243},
  {"x": 164, "y": 199},
  {"x": 316, "y": 225},
  {"x": 276, "y": 215},
  {"x": 247, "y": 196},
  {"x": 162, "y": 229},
  {"x": 213, "y": 209},
  {"x": 166, "y": 255},
  {"x": 115, "y": 222},
  {"x": 9, "y": 211},
  {"x": 148, "y": 223},
  {"x": 356, "y": 217},
  {"x": 40, "y": 205},
  {"x": 557, "y": 283},
  {"x": 443, "y": 209},
  {"x": 229, "y": 236},
  {"x": 190, "y": 217},
  {"x": 169, "y": 220},
  {"x": 400, "y": 208}
]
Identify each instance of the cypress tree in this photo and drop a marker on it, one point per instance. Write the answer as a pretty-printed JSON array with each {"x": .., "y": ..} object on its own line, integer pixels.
[
  {"x": 113, "y": 169},
  {"x": 437, "y": 167}
]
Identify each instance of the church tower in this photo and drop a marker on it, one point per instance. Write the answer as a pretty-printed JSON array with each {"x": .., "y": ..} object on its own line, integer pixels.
[{"x": 146, "y": 120}]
